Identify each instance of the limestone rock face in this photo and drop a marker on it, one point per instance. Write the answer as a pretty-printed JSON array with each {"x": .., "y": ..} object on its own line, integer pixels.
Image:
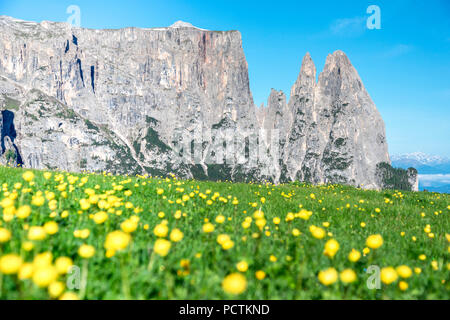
[
  {"x": 413, "y": 179},
  {"x": 138, "y": 101}
]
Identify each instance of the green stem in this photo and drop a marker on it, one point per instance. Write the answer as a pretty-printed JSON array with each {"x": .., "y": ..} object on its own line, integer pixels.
[
  {"x": 84, "y": 277},
  {"x": 125, "y": 282},
  {"x": 1, "y": 285},
  {"x": 151, "y": 261}
]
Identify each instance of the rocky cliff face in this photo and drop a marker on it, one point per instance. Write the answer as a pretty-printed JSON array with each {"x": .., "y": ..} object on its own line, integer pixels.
[{"x": 134, "y": 100}]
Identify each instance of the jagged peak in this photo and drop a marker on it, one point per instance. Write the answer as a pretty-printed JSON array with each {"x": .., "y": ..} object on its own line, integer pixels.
[
  {"x": 306, "y": 76},
  {"x": 275, "y": 92},
  {"x": 308, "y": 67},
  {"x": 338, "y": 66},
  {"x": 338, "y": 58}
]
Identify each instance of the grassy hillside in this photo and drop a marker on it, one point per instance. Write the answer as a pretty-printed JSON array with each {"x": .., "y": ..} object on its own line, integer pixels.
[{"x": 141, "y": 238}]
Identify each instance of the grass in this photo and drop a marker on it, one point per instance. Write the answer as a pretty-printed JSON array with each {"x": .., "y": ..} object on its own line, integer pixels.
[{"x": 196, "y": 266}]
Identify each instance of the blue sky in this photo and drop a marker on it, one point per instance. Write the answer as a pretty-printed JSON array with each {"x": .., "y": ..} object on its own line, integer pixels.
[{"x": 405, "y": 65}]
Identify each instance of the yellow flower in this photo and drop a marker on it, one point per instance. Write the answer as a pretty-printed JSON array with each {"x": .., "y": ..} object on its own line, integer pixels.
[
  {"x": 44, "y": 276},
  {"x": 305, "y": 214},
  {"x": 272, "y": 258},
  {"x": 276, "y": 220},
  {"x": 404, "y": 271},
  {"x": 10, "y": 263},
  {"x": 100, "y": 217},
  {"x": 185, "y": 263},
  {"x": 242, "y": 266},
  {"x": 55, "y": 289},
  {"x": 348, "y": 276},
  {"x": 220, "y": 219},
  {"x": 317, "y": 232},
  {"x": 86, "y": 251},
  {"x": 5, "y": 235},
  {"x": 42, "y": 260},
  {"x": 258, "y": 214},
  {"x": 354, "y": 255},
  {"x": 37, "y": 201},
  {"x": 208, "y": 227},
  {"x": 228, "y": 244},
  {"x": 161, "y": 230},
  {"x": 422, "y": 257},
  {"x": 331, "y": 247},
  {"x": 290, "y": 216},
  {"x": 246, "y": 224},
  {"x": 222, "y": 238},
  {"x": 82, "y": 234},
  {"x": 25, "y": 271},
  {"x": 69, "y": 296},
  {"x": 328, "y": 276},
  {"x": 28, "y": 176},
  {"x": 403, "y": 285},
  {"x": 63, "y": 265},
  {"x": 159, "y": 191},
  {"x": 234, "y": 283},
  {"x": 162, "y": 247},
  {"x": 296, "y": 232},
  {"x": 374, "y": 241},
  {"x": 260, "y": 275},
  {"x": 434, "y": 265},
  {"x": 23, "y": 212},
  {"x": 47, "y": 175},
  {"x": 7, "y": 202},
  {"x": 51, "y": 227},
  {"x": 110, "y": 253},
  {"x": 176, "y": 235},
  {"x": 53, "y": 204},
  {"x": 36, "y": 233},
  {"x": 129, "y": 225},
  {"x": 117, "y": 240},
  {"x": 260, "y": 223},
  {"x": 388, "y": 275},
  {"x": 85, "y": 204}
]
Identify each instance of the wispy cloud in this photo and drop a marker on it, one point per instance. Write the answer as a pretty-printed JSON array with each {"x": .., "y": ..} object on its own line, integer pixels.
[
  {"x": 349, "y": 27},
  {"x": 398, "y": 50},
  {"x": 430, "y": 179}
]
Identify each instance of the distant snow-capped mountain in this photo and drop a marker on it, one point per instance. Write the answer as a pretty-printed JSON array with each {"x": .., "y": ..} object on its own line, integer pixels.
[
  {"x": 434, "y": 171},
  {"x": 424, "y": 163},
  {"x": 420, "y": 157}
]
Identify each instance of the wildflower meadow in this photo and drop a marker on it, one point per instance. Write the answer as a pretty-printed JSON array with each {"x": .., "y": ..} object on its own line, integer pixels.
[{"x": 100, "y": 236}]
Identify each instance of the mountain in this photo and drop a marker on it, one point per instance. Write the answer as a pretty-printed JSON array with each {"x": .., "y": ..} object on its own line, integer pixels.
[
  {"x": 177, "y": 100},
  {"x": 425, "y": 164},
  {"x": 434, "y": 171}
]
